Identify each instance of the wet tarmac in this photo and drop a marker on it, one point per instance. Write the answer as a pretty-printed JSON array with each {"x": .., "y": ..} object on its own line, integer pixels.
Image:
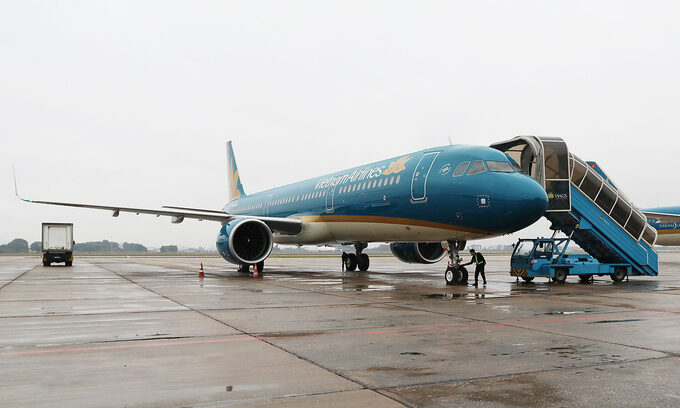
[{"x": 147, "y": 332}]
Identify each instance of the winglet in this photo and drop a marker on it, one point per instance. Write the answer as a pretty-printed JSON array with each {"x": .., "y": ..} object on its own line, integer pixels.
[{"x": 16, "y": 190}]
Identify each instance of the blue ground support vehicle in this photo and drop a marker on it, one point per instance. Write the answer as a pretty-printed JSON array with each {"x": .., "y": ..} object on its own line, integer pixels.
[{"x": 547, "y": 257}]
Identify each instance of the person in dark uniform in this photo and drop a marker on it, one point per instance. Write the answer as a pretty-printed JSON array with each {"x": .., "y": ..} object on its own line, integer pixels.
[{"x": 480, "y": 263}]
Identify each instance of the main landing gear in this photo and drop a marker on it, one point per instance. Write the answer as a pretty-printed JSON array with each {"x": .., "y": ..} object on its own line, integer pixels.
[
  {"x": 246, "y": 268},
  {"x": 455, "y": 273},
  {"x": 351, "y": 262}
]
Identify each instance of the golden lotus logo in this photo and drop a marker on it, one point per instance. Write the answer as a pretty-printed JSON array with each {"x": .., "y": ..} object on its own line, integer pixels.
[{"x": 397, "y": 166}]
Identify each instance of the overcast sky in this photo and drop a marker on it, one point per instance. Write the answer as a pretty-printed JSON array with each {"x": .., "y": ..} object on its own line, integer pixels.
[{"x": 131, "y": 103}]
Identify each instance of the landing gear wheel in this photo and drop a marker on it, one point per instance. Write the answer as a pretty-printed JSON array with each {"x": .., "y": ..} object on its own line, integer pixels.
[
  {"x": 560, "y": 275},
  {"x": 363, "y": 262},
  {"x": 527, "y": 279},
  {"x": 244, "y": 268},
  {"x": 351, "y": 262},
  {"x": 619, "y": 274},
  {"x": 454, "y": 276},
  {"x": 585, "y": 278}
]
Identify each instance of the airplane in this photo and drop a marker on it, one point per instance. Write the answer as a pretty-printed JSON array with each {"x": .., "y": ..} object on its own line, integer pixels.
[
  {"x": 666, "y": 221},
  {"x": 426, "y": 204}
]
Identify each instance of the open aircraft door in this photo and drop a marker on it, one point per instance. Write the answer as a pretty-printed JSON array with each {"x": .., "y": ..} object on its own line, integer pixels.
[{"x": 546, "y": 159}]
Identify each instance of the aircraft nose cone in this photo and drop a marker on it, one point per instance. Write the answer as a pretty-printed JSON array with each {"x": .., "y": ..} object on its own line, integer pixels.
[{"x": 529, "y": 202}]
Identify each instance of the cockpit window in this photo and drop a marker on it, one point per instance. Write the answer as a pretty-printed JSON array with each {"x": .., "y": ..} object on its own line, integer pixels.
[
  {"x": 499, "y": 166},
  {"x": 460, "y": 169},
  {"x": 477, "y": 166}
]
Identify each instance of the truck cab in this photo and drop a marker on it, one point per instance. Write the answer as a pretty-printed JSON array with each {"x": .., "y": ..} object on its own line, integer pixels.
[{"x": 547, "y": 257}]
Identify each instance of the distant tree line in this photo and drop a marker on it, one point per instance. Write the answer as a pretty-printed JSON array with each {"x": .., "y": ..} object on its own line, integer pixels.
[
  {"x": 17, "y": 245},
  {"x": 108, "y": 246}
]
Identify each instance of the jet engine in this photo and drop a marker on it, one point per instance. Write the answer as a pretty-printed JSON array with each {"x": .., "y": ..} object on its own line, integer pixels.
[
  {"x": 245, "y": 241},
  {"x": 418, "y": 252}
]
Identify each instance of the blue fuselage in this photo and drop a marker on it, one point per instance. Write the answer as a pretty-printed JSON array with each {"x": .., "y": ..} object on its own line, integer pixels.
[{"x": 428, "y": 195}]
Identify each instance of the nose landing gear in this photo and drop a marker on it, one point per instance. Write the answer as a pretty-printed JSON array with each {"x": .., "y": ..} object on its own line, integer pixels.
[
  {"x": 351, "y": 262},
  {"x": 455, "y": 274}
]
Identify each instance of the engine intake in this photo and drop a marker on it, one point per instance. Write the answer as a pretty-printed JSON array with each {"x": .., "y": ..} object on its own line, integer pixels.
[
  {"x": 418, "y": 252},
  {"x": 245, "y": 241}
]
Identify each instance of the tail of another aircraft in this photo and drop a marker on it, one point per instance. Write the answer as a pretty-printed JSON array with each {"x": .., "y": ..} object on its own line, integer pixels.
[{"x": 235, "y": 186}]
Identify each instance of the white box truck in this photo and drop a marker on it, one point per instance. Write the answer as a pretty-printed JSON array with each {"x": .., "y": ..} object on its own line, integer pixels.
[{"x": 57, "y": 243}]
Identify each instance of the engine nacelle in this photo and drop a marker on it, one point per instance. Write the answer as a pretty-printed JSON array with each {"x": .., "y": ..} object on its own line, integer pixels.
[
  {"x": 245, "y": 241},
  {"x": 418, "y": 252}
]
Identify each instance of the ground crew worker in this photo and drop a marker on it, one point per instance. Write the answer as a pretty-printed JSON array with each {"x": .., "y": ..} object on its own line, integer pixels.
[{"x": 480, "y": 262}]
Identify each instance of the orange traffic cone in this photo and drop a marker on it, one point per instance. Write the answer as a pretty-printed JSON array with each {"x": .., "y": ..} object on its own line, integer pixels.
[
  {"x": 201, "y": 274},
  {"x": 256, "y": 274}
]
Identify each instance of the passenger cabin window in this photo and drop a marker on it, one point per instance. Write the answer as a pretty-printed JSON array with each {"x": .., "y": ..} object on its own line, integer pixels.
[
  {"x": 499, "y": 166},
  {"x": 477, "y": 166},
  {"x": 460, "y": 170}
]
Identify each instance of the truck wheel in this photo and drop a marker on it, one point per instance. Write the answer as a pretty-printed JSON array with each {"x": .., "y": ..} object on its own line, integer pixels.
[
  {"x": 68, "y": 263},
  {"x": 619, "y": 274},
  {"x": 560, "y": 275},
  {"x": 527, "y": 278}
]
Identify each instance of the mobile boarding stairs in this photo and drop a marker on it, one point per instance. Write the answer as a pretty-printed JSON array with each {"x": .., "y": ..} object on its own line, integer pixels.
[{"x": 589, "y": 209}]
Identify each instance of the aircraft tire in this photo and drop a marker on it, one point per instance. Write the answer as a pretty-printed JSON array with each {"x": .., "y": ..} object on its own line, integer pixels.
[
  {"x": 363, "y": 262},
  {"x": 527, "y": 279},
  {"x": 244, "y": 268},
  {"x": 454, "y": 276},
  {"x": 351, "y": 262},
  {"x": 561, "y": 275},
  {"x": 260, "y": 267}
]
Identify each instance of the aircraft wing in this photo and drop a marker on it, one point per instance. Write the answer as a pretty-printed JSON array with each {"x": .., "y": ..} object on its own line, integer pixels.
[
  {"x": 290, "y": 226},
  {"x": 662, "y": 217}
]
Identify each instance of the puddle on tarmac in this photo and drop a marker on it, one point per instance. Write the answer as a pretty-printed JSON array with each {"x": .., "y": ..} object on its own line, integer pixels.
[
  {"x": 470, "y": 296},
  {"x": 615, "y": 321}
]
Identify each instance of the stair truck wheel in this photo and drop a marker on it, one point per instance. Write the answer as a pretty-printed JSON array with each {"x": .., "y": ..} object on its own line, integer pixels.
[
  {"x": 527, "y": 279},
  {"x": 619, "y": 274},
  {"x": 363, "y": 262},
  {"x": 561, "y": 275},
  {"x": 351, "y": 262}
]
